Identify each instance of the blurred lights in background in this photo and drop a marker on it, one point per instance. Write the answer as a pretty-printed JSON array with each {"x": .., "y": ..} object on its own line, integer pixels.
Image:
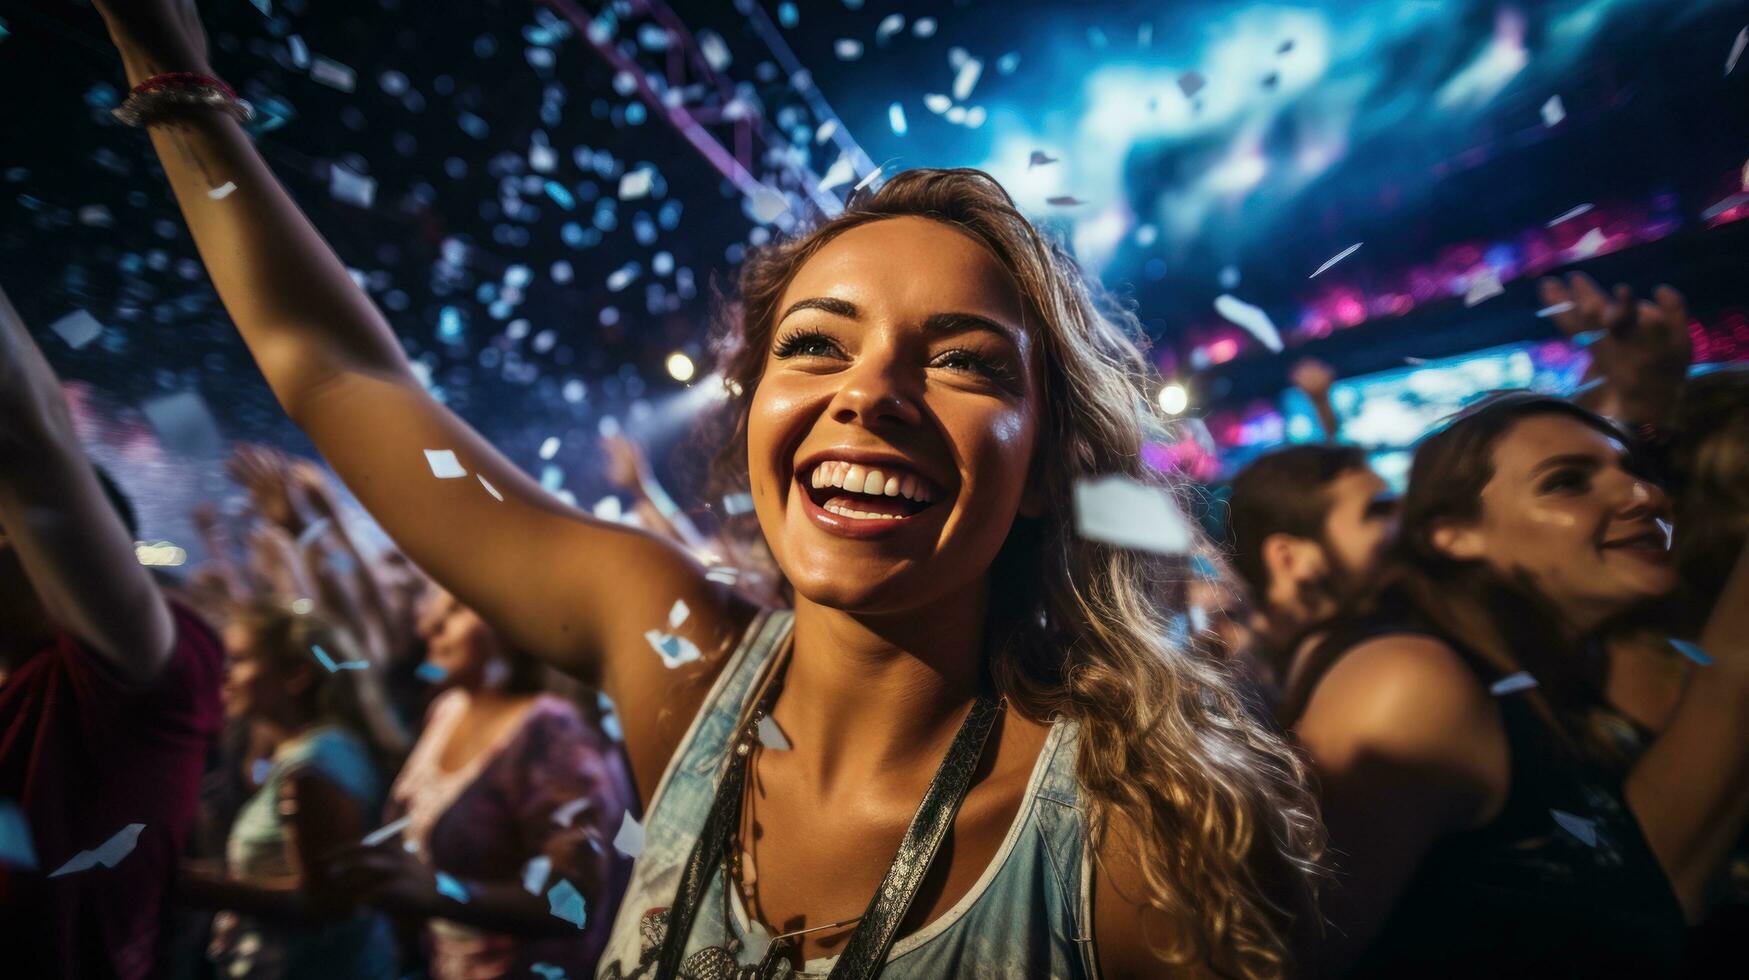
[
  {"x": 1174, "y": 399},
  {"x": 680, "y": 367}
]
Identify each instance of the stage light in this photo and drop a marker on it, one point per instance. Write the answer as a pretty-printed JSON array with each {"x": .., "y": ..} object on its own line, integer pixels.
[
  {"x": 1174, "y": 399},
  {"x": 680, "y": 367}
]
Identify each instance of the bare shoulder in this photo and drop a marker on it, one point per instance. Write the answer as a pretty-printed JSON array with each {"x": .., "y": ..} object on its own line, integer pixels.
[
  {"x": 1409, "y": 701},
  {"x": 1131, "y": 937}
]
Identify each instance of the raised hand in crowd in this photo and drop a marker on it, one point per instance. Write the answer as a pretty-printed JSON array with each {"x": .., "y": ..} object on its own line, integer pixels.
[
  {"x": 1315, "y": 378},
  {"x": 1640, "y": 349}
]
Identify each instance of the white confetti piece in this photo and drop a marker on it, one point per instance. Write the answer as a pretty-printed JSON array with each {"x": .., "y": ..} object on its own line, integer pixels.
[
  {"x": 564, "y": 815},
  {"x": 109, "y": 853},
  {"x": 1555, "y": 310},
  {"x": 674, "y": 650},
  {"x": 96, "y": 216},
  {"x": 714, "y": 49},
  {"x": 634, "y": 184},
  {"x": 77, "y": 328},
  {"x": 566, "y": 902},
  {"x": 723, "y": 574},
  {"x": 847, "y": 49},
  {"x": 1568, "y": 215},
  {"x": 549, "y": 447},
  {"x": 868, "y": 179},
  {"x": 737, "y": 503},
  {"x": 1339, "y": 256},
  {"x": 890, "y": 24},
  {"x": 630, "y": 838},
  {"x": 1485, "y": 286},
  {"x": 1590, "y": 244},
  {"x": 1737, "y": 47},
  {"x": 766, "y": 205},
  {"x": 535, "y": 874},
  {"x": 1512, "y": 684},
  {"x": 1251, "y": 318},
  {"x": 184, "y": 423},
  {"x": 351, "y": 188},
  {"x": 450, "y": 888},
  {"x": 1553, "y": 111},
  {"x": 678, "y": 614},
  {"x": 386, "y": 831},
  {"x": 490, "y": 488},
  {"x": 842, "y": 171},
  {"x": 966, "y": 78},
  {"x": 936, "y": 102},
  {"x": 16, "y": 848},
  {"x": 623, "y": 276},
  {"x": 1117, "y": 510},
  {"x": 896, "y": 119},
  {"x": 444, "y": 465},
  {"x": 333, "y": 74},
  {"x": 771, "y": 736},
  {"x": 222, "y": 191},
  {"x": 1581, "y": 828}
]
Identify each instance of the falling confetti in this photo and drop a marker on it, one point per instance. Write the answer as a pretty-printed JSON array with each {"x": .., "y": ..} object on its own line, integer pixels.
[
  {"x": 1512, "y": 684},
  {"x": 386, "y": 831},
  {"x": 630, "y": 838},
  {"x": 568, "y": 812},
  {"x": 549, "y": 971},
  {"x": 77, "y": 328},
  {"x": 1556, "y": 309},
  {"x": 1254, "y": 321},
  {"x": 1039, "y": 158},
  {"x": 1568, "y": 215},
  {"x": 678, "y": 614},
  {"x": 449, "y": 887},
  {"x": 490, "y": 488},
  {"x": 566, "y": 902},
  {"x": 1581, "y": 828},
  {"x": 222, "y": 191},
  {"x": 1064, "y": 201},
  {"x": 889, "y": 25},
  {"x": 1553, "y": 111},
  {"x": 184, "y": 424},
  {"x": 333, "y": 74},
  {"x": 847, "y": 49},
  {"x": 351, "y": 188},
  {"x": 966, "y": 78},
  {"x": 896, "y": 118},
  {"x": 674, "y": 650},
  {"x": 259, "y": 770},
  {"x": 1190, "y": 83},
  {"x": 109, "y": 853},
  {"x": 444, "y": 465},
  {"x": 1737, "y": 47},
  {"x": 1117, "y": 510},
  {"x": 737, "y": 503},
  {"x": 16, "y": 848},
  {"x": 771, "y": 736},
  {"x": 535, "y": 874},
  {"x": 767, "y": 205},
  {"x": 636, "y": 183},
  {"x": 1339, "y": 256},
  {"x": 430, "y": 673},
  {"x": 1483, "y": 287},
  {"x": 1692, "y": 652},
  {"x": 1590, "y": 244},
  {"x": 331, "y": 664}
]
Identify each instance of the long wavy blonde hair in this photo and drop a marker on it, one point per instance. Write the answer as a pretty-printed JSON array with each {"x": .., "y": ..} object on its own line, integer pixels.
[{"x": 1227, "y": 832}]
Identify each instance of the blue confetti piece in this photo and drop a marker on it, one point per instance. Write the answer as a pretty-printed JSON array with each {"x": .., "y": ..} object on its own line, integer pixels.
[
  {"x": 1582, "y": 829},
  {"x": 109, "y": 853},
  {"x": 562, "y": 197},
  {"x": 549, "y": 971},
  {"x": 333, "y": 665},
  {"x": 259, "y": 770},
  {"x": 1692, "y": 652},
  {"x": 16, "y": 848},
  {"x": 430, "y": 673},
  {"x": 1512, "y": 684},
  {"x": 1203, "y": 567},
  {"x": 566, "y": 902},
  {"x": 451, "y": 888}
]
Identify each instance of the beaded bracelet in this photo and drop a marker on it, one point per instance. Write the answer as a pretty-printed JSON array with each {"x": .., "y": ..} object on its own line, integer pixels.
[{"x": 179, "y": 93}]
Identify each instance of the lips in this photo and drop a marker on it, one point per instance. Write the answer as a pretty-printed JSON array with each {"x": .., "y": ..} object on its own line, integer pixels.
[
  {"x": 1651, "y": 544},
  {"x": 864, "y": 494}
]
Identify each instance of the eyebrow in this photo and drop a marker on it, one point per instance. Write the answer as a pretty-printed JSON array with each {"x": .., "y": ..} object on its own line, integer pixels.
[
  {"x": 1570, "y": 459},
  {"x": 938, "y": 324}
]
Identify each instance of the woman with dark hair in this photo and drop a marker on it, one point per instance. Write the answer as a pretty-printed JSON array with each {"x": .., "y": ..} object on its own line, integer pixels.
[
  {"x": 328, "y": 741},
  {"x": 503, "y": 774},
  {"x": 971, "y": 745},
  {"x": 1479, "y": 816}
]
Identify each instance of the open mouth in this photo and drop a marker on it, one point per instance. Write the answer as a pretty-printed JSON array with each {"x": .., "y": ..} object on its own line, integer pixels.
[
  {"x": 1652, "y": 543},
  {"x": 859, "y": 492}
]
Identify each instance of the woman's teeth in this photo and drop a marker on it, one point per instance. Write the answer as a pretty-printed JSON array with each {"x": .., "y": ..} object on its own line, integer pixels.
[
  {"x": 837, "y": 506},
  {"x": 857, "y": 478}
]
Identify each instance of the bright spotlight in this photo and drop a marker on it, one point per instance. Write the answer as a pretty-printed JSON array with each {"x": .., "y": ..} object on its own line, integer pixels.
[
  {"x": 680, "y": 367},
  {"x": 1174, "y": 399}
]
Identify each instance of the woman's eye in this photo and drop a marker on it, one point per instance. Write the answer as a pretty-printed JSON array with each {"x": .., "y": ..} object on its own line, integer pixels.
[
  {"x": 805, "y": 344},
  {"x": 1566, "y": 481},
  {"x": 964, "y": 360}
]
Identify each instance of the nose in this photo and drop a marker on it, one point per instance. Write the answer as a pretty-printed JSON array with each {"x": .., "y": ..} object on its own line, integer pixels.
[
  {"x": 876, "y": 392},
  {"x": 1641, "y": 498}
]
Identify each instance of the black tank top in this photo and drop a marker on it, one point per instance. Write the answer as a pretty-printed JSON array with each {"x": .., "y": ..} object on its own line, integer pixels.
[{"x": 1560, "y": 884}]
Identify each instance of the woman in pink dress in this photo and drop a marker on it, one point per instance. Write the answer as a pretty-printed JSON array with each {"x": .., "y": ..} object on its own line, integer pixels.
[{"x": 511, "y": 803}]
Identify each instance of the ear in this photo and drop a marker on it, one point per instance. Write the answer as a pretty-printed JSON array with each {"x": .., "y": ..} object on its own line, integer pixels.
[
  {"x": 1459, "y": 541},
  {"x": 1291, "y": 559}
]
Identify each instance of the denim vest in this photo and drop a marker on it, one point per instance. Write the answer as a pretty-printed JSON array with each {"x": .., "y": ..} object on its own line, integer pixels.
[{"x": 1028, "y": 915}]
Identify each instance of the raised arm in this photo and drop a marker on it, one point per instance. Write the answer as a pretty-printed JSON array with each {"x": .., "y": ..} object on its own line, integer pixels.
[
  {"x": 73, "y": 547},
  {"x": 555, "y": 582},
  {"x": 1690, "y": 791}
]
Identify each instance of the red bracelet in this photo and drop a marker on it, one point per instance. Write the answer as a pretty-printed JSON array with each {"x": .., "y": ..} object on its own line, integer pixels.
[{"x": 178, "y": 92}]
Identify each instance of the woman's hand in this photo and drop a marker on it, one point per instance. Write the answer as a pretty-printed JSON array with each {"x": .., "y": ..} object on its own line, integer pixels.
[
  {"x": 1641, "y": 349},
  {"x": 155, "y": 36},
  {"x": 266, "y": 474}
]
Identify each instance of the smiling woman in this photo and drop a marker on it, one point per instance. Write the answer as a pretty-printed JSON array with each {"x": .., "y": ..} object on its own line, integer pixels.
[{"x": 970, "y": 744}]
